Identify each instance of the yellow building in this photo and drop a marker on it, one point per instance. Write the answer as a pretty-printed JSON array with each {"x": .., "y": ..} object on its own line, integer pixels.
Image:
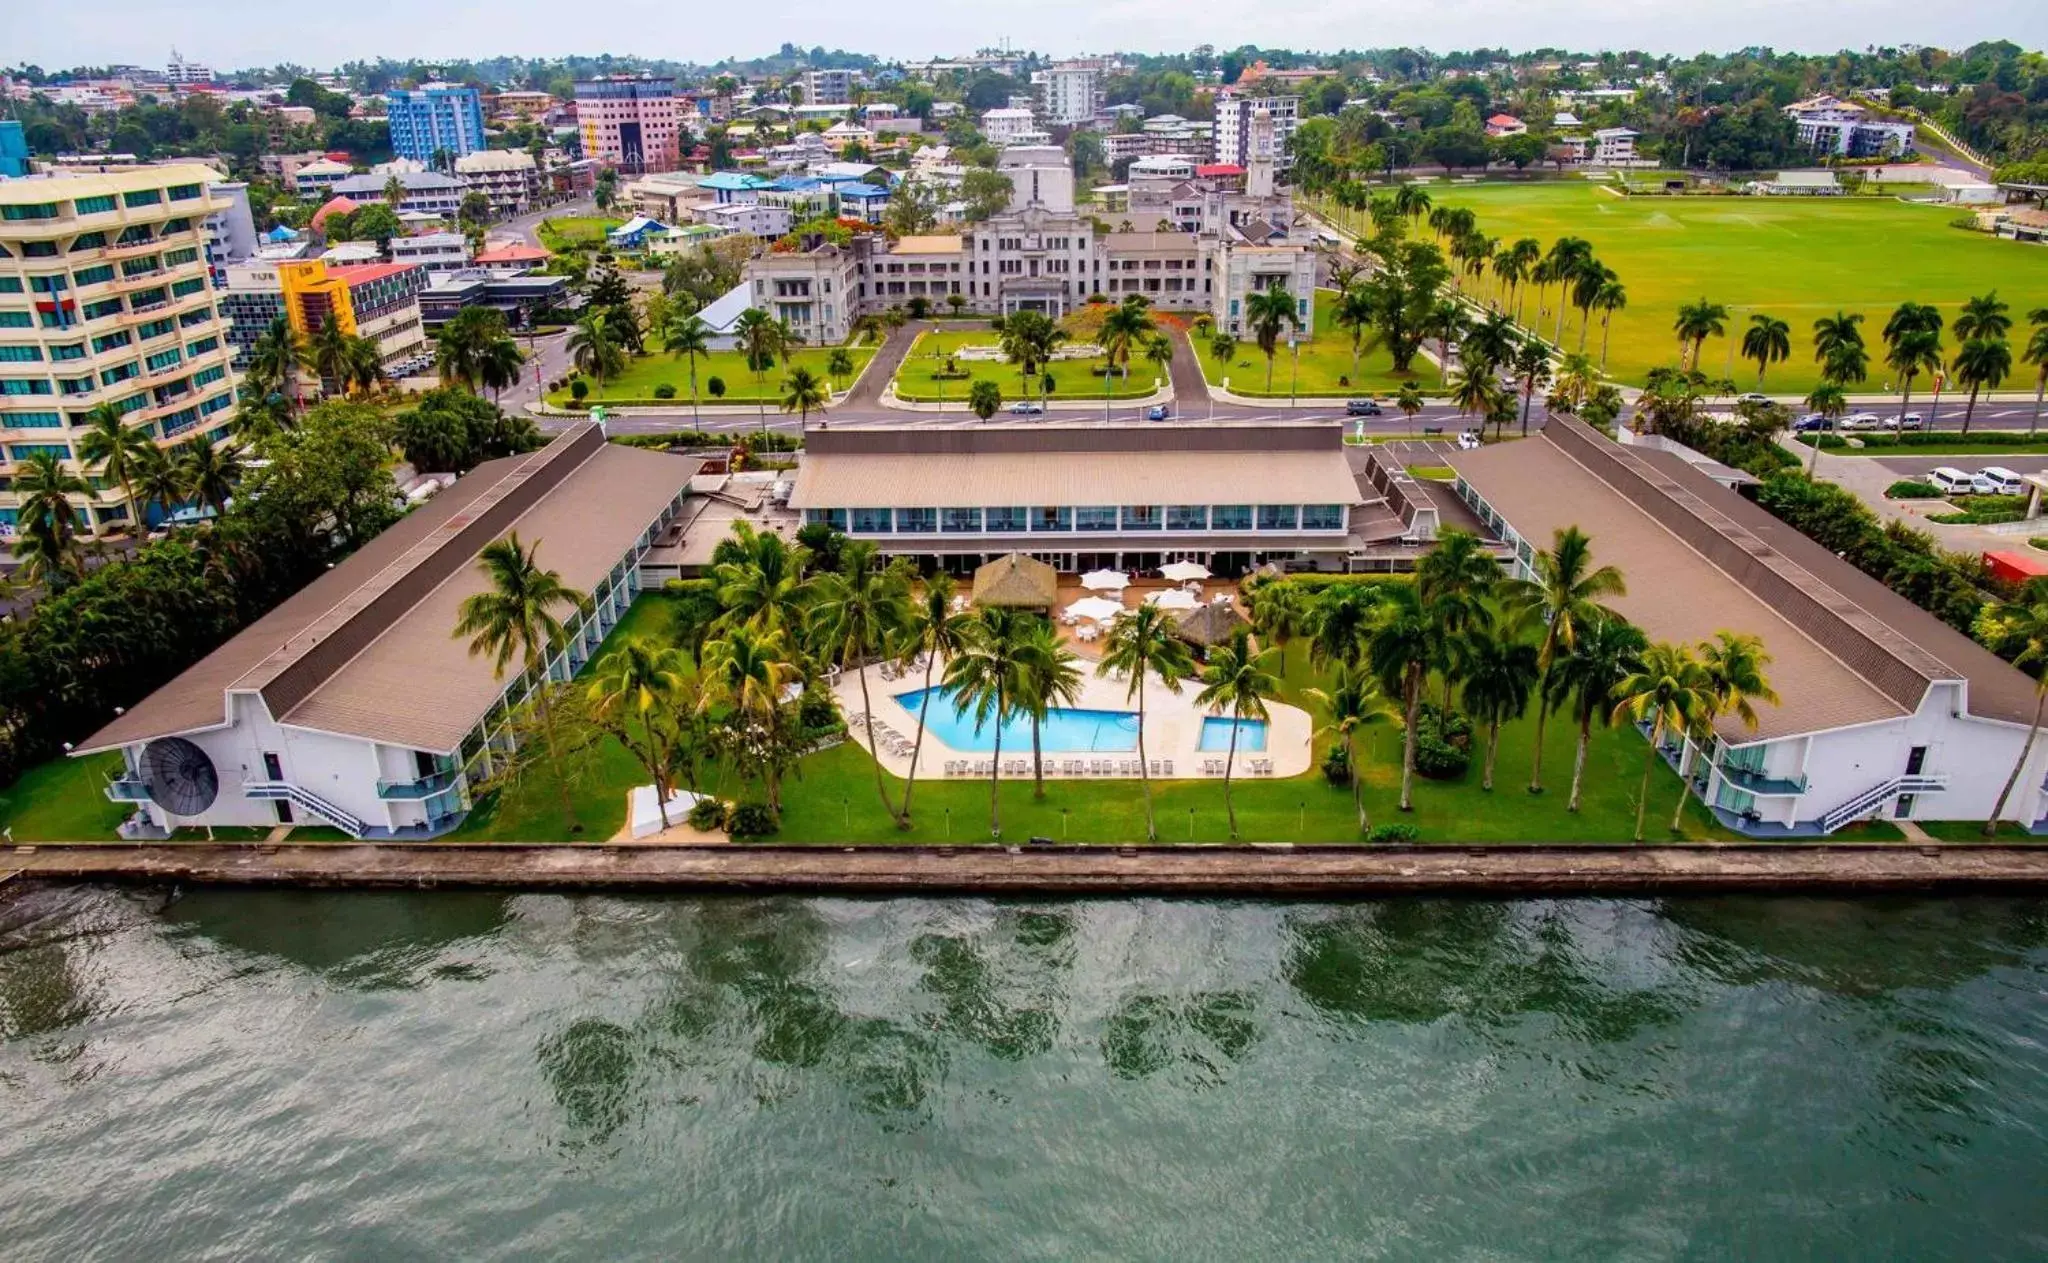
[{"x": 105, "y": 299}]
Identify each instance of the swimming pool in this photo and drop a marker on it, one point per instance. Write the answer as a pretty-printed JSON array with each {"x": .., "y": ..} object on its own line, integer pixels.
[
  {"x": 1251, "y": 734},
  {"x": 1063, "y": 731}
]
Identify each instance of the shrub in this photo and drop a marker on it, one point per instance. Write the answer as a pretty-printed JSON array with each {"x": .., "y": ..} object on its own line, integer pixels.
[
  {"x": 665, "y": 391},
  {"x": 578, "y": 389},
  {"x": 2039, "y": 541},
  {"x": 1393, "y": 833},
  {"x": 1913, "y": 489},
  {"x": 1337, "y": 768},
  {"x": 1983, "y": 510},
  {"x": 714, "y": 386},
  {"x": 816, "y": 712},
  {"x": 1437, "y": 759},
  {"x": 707, "y": 814},
  {"x": 750, "y": 820}
]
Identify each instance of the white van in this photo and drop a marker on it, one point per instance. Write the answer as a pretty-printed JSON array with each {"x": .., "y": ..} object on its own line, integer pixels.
[
  {"x": 2003, "y": 481},
  {"x": 1954, "y": 482}
]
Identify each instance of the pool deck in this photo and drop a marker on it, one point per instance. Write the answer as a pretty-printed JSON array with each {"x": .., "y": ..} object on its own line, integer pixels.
[
  {"x": 1173, "y": 734},
  {"x": 988, "y": 870}
]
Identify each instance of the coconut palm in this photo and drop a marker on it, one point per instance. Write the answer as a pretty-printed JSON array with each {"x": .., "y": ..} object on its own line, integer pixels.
[
  {"x": 1525, "y": 254},
  {"x": 1455, "y": 581},
  {"x": 275, "y": 359},
  {"x": 1981, "y": 364},
  {"x": 1609, "y": 298},
  {"x": 636, "y": 691},
  {"x": 746, "y": 671},
  {"x": 1532, "y": 369},
  {"x": 934, "y": 631},
  {"x": 1667, "y": 691},
  {"x": 1499, "y": 673},
  {"x": 160, "y": 482},
  {"x": 1411, "y": 203},
  {"x": 984, "y": 678},
  {"x": 687, "y": 335},
  {"x": 1594, "y": 277},
  {"x": 2036, "y": 354},
  {"x": 1490, "y": 344},
  {"x": 1237, "y": 681},
  {"x": 1568, "y": 260},
  {"x": 1577, "y": 380},
  {"x": 759, "y": 580},
  {"x": 1732, "y": 667},
  {"x": 2023, "y": 624},
  {"x": 1279, "y": 610},
  {"x": 458, "y": 348},
  {"x": 1697, "y": 322},
  {"x": 47, "y": 521},
  {"x": 1834, "y": 335},
  {"x": 1473, "y": 390},
  {"x": 1565, "y": 593},
  {"x": 1401, "y": 643},
  {"x": 1410, "y": 401},
  {"x": 327, "y": 353},
  {"x": 861, "y": 610},
  {"x": 515, "y": 617},
  {"x": 362, "y": 365},
  {"x": 1830, "y": 401},
  {"x": 1140, "y": 644},
  {"x": 1984, "y": 316},
  {"x": 594, "y": 350},
  {"x": 1268, "y": 313},
  {"x": 1911, "y": 351},
  {"x": 1355, "y": 311},
  {"x": 210, "y": 471},
  {"x": 1352, "y": 701},
  {"x": 1448, "y": 322},
  {"x": 1767, "y": 341},
  {"x": 1338, "y": 624},
  {"x": 116, "y": 448},
  {"x": 802, "y": 391},
  {"x": 1048, "y": 675},
  {"x": 1124, "y": 326},
  {"x": 1583, "y": 681}
]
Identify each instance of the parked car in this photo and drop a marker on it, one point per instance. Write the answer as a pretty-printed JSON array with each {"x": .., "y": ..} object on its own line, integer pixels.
[
  {"x": 2003, "y": 481},
  {"x": 1158, "y": 412},
  {"x": 1951, "y": 481},
  {"x": 1362, "y": 408},
  {"x": 1861, "y": 421},
  {"x": 1811, "y": 422},
  {"x": 1026, "y": 408},
  {"x": 1906, "y": 421},
  {"x": 1753, "y": 397},
  {"x": 1470, "y": 441}
]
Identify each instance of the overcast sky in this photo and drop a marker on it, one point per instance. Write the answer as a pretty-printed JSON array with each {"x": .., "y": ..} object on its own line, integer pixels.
[{"x": 232, "y": 33}]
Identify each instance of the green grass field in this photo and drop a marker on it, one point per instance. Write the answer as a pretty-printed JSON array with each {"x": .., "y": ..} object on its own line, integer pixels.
[
  {"x": 645, "y": 372},
  {"x": 1793, "y": 258},
  {"x": 569, "y": 232},
  {"x": 1072, "y": 379},
  {"x": 1325, "y": 361}
]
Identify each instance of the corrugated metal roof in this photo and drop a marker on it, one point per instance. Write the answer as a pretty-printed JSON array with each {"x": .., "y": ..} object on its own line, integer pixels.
[{"x": 912, "y": 480}]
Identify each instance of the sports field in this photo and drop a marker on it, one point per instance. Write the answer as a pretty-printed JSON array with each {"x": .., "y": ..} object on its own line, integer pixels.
[{"x": 1794, "y": 258}]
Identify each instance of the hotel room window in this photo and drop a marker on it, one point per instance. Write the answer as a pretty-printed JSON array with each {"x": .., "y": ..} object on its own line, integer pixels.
[
  {"x": 1100, "y": 517},
  {"x": 1143, "y": 517},
  {"x": 1006, "y": 519},
  {"x": 917, "y": 521},
  {"x": 1279, "y": 517},
  {"x": 1230, "y": 517},
  {"x": 1322, "y": 517},
  {"x": 871, "y": 521},
  {"x": 1052, "y": 519},
  {"x": 1187, "y": 517},
  {"x": 960, "y": 521}
]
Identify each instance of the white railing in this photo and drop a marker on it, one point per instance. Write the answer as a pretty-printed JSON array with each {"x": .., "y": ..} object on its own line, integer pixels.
[
  {"x": 341, "y": 819},
  {"x": 1877, "y": 795}
]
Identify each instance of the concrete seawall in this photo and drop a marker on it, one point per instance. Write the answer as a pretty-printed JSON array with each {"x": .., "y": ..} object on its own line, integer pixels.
[{"x": 1251, "y": 871}]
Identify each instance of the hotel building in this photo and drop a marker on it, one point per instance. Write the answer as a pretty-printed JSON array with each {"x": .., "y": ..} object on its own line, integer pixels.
[
  {"x": 631, "y": 124},
  {"x": 433, "y": 119},
  {"x": 380, "y": 301}
]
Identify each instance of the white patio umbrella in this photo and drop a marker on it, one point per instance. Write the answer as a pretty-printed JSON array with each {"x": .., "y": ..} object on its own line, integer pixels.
[
  {"x": 1173, "y": 599},
  {"x": 1182, "y": 571},
  {"x": 1106, "y": 580},
  {"x": 1096, "y": 608}
]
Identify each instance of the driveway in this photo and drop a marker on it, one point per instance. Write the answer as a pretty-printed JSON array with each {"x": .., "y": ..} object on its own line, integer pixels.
[{"x": 1868, "y": 476}]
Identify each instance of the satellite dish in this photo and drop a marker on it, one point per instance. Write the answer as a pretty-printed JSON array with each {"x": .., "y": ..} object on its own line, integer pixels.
[{"x": 178, "y": 776}]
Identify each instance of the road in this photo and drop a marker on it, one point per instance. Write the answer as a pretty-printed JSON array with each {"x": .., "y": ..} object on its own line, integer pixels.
[{"x": 527, "y": 227}]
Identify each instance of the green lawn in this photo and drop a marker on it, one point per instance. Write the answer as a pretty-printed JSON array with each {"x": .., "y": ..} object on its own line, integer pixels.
[
  {"x": 64, "y": 800},
  {"x": 567, "y": 232},
  {"x": 645, "y": 372},
  {"x": 831, "y": 798},
  {"x": 1072, "y": 379},
  {"x": 1794, "y": 258},
  {"x": 1325, "y": 362}
]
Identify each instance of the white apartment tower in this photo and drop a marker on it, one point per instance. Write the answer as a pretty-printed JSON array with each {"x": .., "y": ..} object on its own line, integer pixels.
[
  {"x": 1234, "y": 126},
  {"x": 1071, "y": 92}
]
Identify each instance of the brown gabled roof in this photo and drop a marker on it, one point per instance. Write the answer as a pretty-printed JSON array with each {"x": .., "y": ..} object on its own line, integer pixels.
[{"x": 1018, "y": 582}]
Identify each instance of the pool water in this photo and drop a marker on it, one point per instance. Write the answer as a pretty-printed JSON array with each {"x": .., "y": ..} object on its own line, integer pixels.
[
  {"x": 1063, "y": 731},
  {"x": 1251, "y": 734}
]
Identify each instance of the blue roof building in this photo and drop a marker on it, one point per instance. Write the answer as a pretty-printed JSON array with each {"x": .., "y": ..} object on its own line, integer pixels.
[
  {"x": 435, "y": 118},
  {"x": 634, "y": 233},
  {"x": 13, "y": 149},
  {"x": 732, "y": 186},
  {"x": 863, "y": 201}
]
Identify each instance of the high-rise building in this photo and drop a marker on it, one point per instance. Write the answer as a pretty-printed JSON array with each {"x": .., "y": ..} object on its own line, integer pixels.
[
  {"x": 104, "y": 299},
  {"x": 1070, "y": 92},
  {"x": 829, "y": 87},
  {"x": 230, "y": 231},
  {"x": 435, "y": 118},
  {"x": 629, "y": 123},
  {"x": 379, "y": 301},
  {"x": 181, "y": 71},
  {"x": 1234, "y": 114}
]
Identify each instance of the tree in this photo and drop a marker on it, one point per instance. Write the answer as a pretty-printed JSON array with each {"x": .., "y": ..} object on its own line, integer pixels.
[
  {"x": 1410, "y": 400},
  {"x": 1667, "y": 690},
  {"x": 760, "y": 580},
  {"x": 275, "y": 359},
  {"x": 1606, "y": 651},
  {"x": 1448, "y": 323},
  {"x": 394, "y": 190},
  {"x": 1830, "y": 401},
  {"x": 745, "y": 671},
  {"x": 862, "y": 608},
  {"x": 985, "y": 399},
  {"x": 1732, "y": 671},
  {"x": 1267, "y": 313},
  {"x": 1473, "y": 392},
  {"x": 1577, "y": 381},
  {"x": 1984, "y": 316},
  {"x": 1838, "y": 345},
  {"x": 913, "y": 209},
  {"x": 209, "y": 471},
  {"x": 984, "y": 678},
  {"x": 117, "y": 448},
  {"x": 160, "y": 482},
  {"x": 1352, "y": 701},
  {"x": 1912, "y": 349},
  {"x": 1981, "y": 364},
  {"x": 1141, "y": 643},
  {"x": 984, "y": 193},
  {"x": 1028, "y": 341},
  {"x": 1353, "y": 311},
  {"x": 1238, "y": 681},
  {"x": 1500, "y": 671},
  {"x": 936, "y": 632},
  {"x": 593, "y": 349},
  {"x": 515, "y": 618},
  {"x": 638, "y": 692},
  {"x": 802, "y": 391},
  {"x": 48, "y": 523},
  {"x": 1767, "y": 341},
  {"x": 1490, "y": 344},
  {"x": 1698, "y": 321},
  {"x": 1564, "y": 593},
  {"x": 1048, "y": 675},
  {"x": 687, "y": 336},
  {"x": 1609, "y": 298},
  {"x": 2036, "y": 354},
  {"x": 1124, "y": 326},
  {"x": 474, "y": 351},
  {"x": 1402, "y": 639},
  {"x": 475, "y": 209},
  {"x": 2024, "y": 624},
  {"x": 761, "y": 337}
]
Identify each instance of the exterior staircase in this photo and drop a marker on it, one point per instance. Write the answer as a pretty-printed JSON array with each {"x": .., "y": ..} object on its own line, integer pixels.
[
  {"x": 303, "y": 798},
  {"x": 1876, "y": 796}
]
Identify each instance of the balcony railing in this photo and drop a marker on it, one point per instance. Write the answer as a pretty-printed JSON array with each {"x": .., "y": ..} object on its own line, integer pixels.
[
  {"x": 424, "y": 787},
  {"x": 127, "y": 789},
  {"x": 1755, "y": 782}
]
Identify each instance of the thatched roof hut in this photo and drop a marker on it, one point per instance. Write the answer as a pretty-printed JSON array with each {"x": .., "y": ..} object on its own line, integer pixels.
[
  {"x": 1209, "y": 625},
  {"x": 1016, "y": 582}
]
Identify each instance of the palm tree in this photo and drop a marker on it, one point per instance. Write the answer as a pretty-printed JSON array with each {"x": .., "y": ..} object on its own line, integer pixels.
[
  {"x": 1279, "y": 610},
  {"x": 1352, "y": 701},
  {"x": 328, "y": 352},
  {"x": 1667, "y": 690},
  {"x": 459, "y": 346},
  {"x": 1266, "y": 313},
  {"x": 1695, "y": 324},
  {"x": 861, "y": 609},
  {"x": 747, "y": 670},
  {"x": 1491, "y": 344},
  {"x": 515, "y": 617},
  {"x": 1455, "y": 581},
  {"x": 1048, "y": 675},
  {"x": 1569, "y": 258},
  {"x": 760, "y": 336},
  {"x": 1981, "y": 364},
  {"x": 1448, "y": 321},
  {"x": 934, "y": 631},
  {"x": 1830, "y": 401},
  {"x": 1354, "y": 310},
  {"x": 1473, "y": 391},
  {"x": 498, "y": 364},
  {"x": 209, "y": 471},
  {"x": 802, "y": 391},
  {"x": 2037, "y": 355},
  {"x": 2023, "y": 624},
  {"x": 759, "y": 580},
  {"x": 1584, "y": 679},
  {"x": 160, "y": 481},
  {"x": 1500, "y": 672},
  {"x": 1141, "y": 643},
  {"x": 1526, "y": 253},
  {"x": 1124, "y": 326},
  {"x": 643, "y": 680},
  {"x": 1400, "y": 645},
  {"x": 1767, "y": 341},
  {"x": 1159, "y": 353},
  {"x": 1594, "y": 279},
  {"x": 1411, "y": 202},
  {"x": 1833, "y": 336},
  {"x": 1610, "y": 298},
  {"x": 1732, "y": 667},
  {"x": 118, "y": 449},
  {"x": 984, "y": 678},
  {"x": 1911, "y": 351},
  {"x": 1338, "y": 624},
  {"x": 1984, "y": 316},
  {"x": 1237, "y": 681},
  {"x": 686, "y": 334},
  {"x": 593, "y": 349},
  {"x": 1577, "y": 380},
  {"x": 1028, "y": 341},
  {"x": 1565, "y": 593},
  {"x": 48, "y": 522},
  {"x": 1410, "y": 401},
  {"x": 362, "y": 365},
  {"x": 275, "y": 359}
]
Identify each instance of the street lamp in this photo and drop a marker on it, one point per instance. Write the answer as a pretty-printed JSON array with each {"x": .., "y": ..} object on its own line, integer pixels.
[{"x": 1294, "y": 382}]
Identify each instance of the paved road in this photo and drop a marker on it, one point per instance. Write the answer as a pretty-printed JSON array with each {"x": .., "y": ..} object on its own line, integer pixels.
[{"x": 527, "y": 227}]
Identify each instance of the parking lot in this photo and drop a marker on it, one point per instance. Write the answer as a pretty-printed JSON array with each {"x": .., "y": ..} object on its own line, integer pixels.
[{"x": 1917, "y": 466}]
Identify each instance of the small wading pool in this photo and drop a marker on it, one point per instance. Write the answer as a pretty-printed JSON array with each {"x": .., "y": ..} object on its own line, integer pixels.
[
  {"x": 1063, "y": 731},
  {"x": 1251, "y": 734}
]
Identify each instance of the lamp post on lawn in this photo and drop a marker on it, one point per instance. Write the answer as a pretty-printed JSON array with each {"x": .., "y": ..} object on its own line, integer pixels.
[{"x": 1294, "y": 382}]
